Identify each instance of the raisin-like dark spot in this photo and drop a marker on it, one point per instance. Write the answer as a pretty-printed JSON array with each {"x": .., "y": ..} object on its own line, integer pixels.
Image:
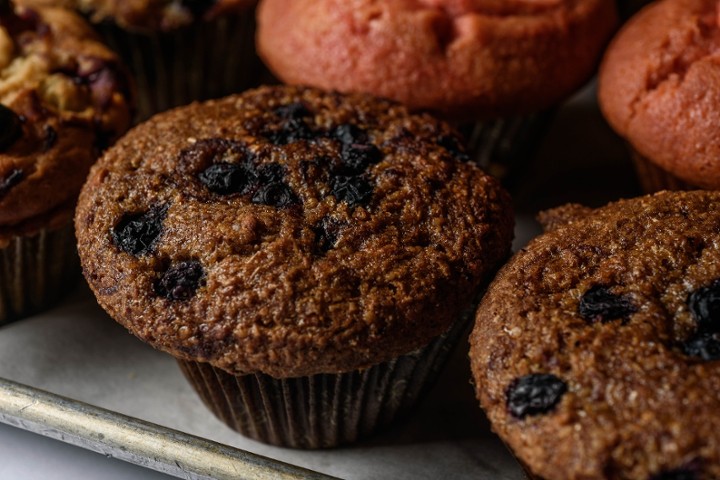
[
  {"x": 270, "y": 173},
  {"x": 292, "y": 130},
  {"x": 227, "y": 178},
  {"x": 292, "y": 111},
  {"x": 181, "y": 281},
  {"x": 534, "y": 394},
  {"x": 326, "y": 234},
  {"x": 599, "y": 304},
  {"x": 453, "y": 145},
  {"x": 10, "y": 127},
  {"x": 198, "y": 7},
  {"x": 704, "y": 304},
  {"x": 50, "y": 138},
  {"x": 353, "y": 190},
  {"x": 705, "y": 346},
  {"x": 677, "y": 474},
  {"x": 349, "y": 133},
  {"x": 12, "y": 179},
  {"x": 356, "y": 158},
  {"x": 138, "y": 233},
  {"x": 276, "y": 194}
]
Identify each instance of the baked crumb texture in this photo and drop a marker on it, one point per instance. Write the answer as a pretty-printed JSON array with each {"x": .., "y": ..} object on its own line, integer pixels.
[
  {"x": 595, "y": 351},
  {"x": 63, "y": 98},
  {"x": 290, "y": 231}
]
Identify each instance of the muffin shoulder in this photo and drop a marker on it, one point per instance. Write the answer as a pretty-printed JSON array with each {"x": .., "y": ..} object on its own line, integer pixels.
[
  {"x": 591, "y": 343},
  {"x": 289, "y": 231}
]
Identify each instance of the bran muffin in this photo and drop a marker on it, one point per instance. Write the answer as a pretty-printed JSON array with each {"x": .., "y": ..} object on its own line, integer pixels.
[
  {"x": 595, "y": 351},
  {"x": 491, "y": 67},
  {"x": 63, "y": 97},
  {"x": 307, "y": 256},
  {"x": 659, "y": 88},
  {"x": 179, "y": 51}
]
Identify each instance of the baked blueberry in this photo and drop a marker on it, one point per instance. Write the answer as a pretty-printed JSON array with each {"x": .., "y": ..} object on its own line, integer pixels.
[
  {"x": 704, "y": 304},
  {"x": 227, "y": 178},
  {"x": 600, "y": 304},
  {"x": 138, "y": 233},
  {"x": 181, "y": 280},
  {"x": 10, "y": 127},
  {"x": 353, "y": 190},
  {"x": 534, "y": 394}
]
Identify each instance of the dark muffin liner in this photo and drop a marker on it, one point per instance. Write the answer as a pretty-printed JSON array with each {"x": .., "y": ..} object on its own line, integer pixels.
[
  {"x": 504, "y": 146},
  {"x": 628, "y": 8},
  {"x": 37, "y": 271},
  {"x": 653, "y": 178},
  {"x": 208, "y": 59},
  {"x": 324, "y": 410}
]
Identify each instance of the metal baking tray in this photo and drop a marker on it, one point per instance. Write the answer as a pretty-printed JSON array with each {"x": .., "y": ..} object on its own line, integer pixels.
[{"x": 115, "y": 395}]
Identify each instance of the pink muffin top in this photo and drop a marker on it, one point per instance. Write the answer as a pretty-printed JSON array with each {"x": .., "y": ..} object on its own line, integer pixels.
[
  {"x": 660, "y": 87},
  {"x": 459, "y": 58}
]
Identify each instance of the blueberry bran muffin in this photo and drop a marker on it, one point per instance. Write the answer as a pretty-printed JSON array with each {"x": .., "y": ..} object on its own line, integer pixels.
[
  {"x": 595, "y": 351},
  {"x": 63, "y": 98},
  {"x": 659, "y": 88},
  {"x": 294, "y": 238}
]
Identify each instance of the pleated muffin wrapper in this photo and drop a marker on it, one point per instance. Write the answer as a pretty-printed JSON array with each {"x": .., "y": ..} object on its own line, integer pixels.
[
  {"x": 323, "y": 410},
  {"x": 653, "y": 179},
  {"x": 200, "y": 61},
  {"x": 504, "y": 147},
  {"x": 38, "y": 266}
]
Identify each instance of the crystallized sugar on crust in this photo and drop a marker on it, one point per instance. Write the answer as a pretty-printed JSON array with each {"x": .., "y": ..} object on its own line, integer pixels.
[
  {"x": 63, "y": 98},
  {"x": 289, "y": 231},
  {"x": 459, "y": 58},
  {"x": 596, "y": 350}
]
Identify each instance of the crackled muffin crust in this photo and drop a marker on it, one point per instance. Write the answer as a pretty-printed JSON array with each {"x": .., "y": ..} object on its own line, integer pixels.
[
  {"x": 148, "y": 14},
  {"x": 595, "y": 352},
  {"x": 477, "y": 58},
  {"x": 63, "y": 97},
  {"x": 659, "y": 87},
  {"x": 289, "y": 231}
]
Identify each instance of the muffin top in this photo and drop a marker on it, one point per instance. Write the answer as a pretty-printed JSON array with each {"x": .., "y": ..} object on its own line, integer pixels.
[
  {"x": 63, "y": 97},
  {"x": 289, "y": 231},
  {"x": 596, "y": 350},
  {"x": 659, "y": 87},
  {"x": 148, "y": 14},
  {"x": 463, "y": 59}
]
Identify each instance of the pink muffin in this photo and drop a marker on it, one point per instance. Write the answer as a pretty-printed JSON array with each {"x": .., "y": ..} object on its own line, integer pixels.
[
  {"x": 659, "y": 88},
  {"x": 473, "y": 60}
]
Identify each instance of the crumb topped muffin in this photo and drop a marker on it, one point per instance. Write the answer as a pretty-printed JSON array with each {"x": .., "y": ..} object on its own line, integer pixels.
[
  {"x": 63, "y": 98},
  {"x": 595, "y": 351},
  {"x": 290, "y": 232}
]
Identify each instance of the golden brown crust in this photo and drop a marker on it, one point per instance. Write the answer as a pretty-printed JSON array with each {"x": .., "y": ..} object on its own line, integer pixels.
[
  {"x": 148, "y": 15},
  {"x": 69, "y": 97},
  {"x": 459, "y": 58},
  {"x": 660, "y": 87},
  {"x": 638, "y": 404},
  {"x": 321, "y": 284}
]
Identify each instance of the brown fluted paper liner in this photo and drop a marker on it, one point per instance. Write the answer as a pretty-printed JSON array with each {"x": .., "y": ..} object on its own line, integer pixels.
[
  {"x": 653, "y": 178},
  {"x": 324, "y": 410},
  {"x": 37, "y": 270},
  {"x": 208, "y": 59}
]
